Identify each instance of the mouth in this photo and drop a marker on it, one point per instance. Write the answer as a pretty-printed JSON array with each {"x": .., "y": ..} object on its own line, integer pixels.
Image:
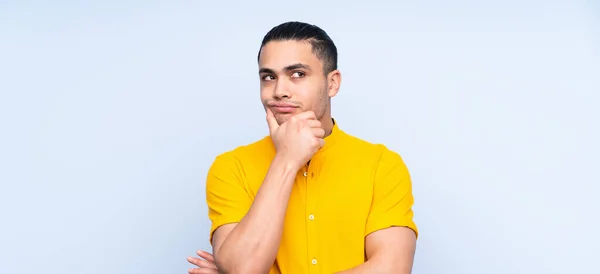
[{"x": 283, "y": 108}]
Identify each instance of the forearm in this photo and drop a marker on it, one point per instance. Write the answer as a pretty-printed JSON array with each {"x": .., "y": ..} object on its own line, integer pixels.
[{"x": 252, "y": 245}]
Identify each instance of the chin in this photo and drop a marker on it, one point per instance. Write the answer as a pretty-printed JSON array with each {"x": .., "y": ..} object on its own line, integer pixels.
[{"x": 283, "y": 117}]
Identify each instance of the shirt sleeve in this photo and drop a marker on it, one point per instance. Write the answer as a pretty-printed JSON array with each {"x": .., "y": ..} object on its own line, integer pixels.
[
  {"x": 226, "y": 195},
  {"x": 392, "y": 195}
]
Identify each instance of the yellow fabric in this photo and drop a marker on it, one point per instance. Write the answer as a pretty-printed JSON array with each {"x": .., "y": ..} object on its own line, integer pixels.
[{"x": 351, "y": 189}]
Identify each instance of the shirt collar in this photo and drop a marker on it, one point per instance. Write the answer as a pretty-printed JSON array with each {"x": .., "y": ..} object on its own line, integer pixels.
[
  {"x": 330, "y": 141},
  {"x": 333, "y": 137}
]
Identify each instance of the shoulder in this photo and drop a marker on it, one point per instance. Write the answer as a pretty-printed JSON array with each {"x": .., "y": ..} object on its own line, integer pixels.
[
  {"x": 381, "y": 153},
  {"x": 250, "y": 150},
  {"x": 389, "y": 172},
  {"x": 383, "y": 163},
  {"x": 231, "y": 160}
]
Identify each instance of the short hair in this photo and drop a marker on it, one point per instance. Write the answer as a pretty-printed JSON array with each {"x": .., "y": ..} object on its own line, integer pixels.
[{"x": 322, "y": 45}]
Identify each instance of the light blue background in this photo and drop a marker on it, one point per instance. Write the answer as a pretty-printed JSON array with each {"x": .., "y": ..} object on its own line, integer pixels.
[{"x": 111, "y": 113}]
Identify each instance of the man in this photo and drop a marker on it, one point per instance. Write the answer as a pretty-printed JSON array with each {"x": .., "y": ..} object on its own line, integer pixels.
[{"x": 308, "y": 198}]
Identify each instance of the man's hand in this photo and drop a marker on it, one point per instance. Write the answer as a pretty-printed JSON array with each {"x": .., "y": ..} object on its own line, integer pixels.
[
  {"x": 298, "y": 139},
  {"x": 206, "y": 266}
]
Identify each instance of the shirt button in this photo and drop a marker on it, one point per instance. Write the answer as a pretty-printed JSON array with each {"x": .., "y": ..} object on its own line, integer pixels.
[
  {"x": 311, "y": 217},
  {"x": 314, "y": 261},
  {"x": 305, "y": 173}
]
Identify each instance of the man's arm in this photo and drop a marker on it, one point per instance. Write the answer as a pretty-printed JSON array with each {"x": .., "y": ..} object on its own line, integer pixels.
[
  {"x": 389, "y": 250},
  {"x": 251, "y": 245}
]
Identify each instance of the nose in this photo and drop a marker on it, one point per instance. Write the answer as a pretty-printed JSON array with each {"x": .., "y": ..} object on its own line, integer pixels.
[{"x": 282, "y": 91}]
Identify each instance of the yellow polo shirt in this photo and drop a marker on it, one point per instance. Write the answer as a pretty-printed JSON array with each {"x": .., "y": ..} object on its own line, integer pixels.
[{"x": 349, "y": 189}]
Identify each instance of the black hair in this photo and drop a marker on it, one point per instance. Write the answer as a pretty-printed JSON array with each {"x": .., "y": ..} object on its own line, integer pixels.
[{"x": 322, "y": 45}]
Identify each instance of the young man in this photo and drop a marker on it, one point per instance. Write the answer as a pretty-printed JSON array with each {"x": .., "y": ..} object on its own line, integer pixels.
[{"x": 308, "y": 198}]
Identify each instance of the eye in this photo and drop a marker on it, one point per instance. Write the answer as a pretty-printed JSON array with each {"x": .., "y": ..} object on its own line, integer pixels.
[
  {"x": 268, "y": 78},
  {"x": 298, "y": 74}
]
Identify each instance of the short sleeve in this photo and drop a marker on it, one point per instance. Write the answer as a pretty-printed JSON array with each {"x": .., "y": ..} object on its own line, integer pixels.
[
  {"x": 226, "y": 195},
  {"x": 392, "y": 195}
]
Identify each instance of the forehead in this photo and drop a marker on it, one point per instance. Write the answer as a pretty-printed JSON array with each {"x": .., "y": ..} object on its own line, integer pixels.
[{"x": 279, "y": 54}]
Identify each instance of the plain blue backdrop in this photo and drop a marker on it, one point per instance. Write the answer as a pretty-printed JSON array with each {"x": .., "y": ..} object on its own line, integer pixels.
[{"x": 112, "y": 111}]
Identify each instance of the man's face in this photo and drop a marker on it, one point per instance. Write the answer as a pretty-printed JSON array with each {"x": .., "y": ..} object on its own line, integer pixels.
[{"x": 292, "y": 80}]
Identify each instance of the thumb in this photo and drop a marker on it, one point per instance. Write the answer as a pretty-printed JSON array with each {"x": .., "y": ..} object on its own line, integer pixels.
[{"x": 271, "y": 121}]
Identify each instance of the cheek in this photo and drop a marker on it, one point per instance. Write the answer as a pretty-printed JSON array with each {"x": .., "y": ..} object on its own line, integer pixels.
[
  {"x": 323, "y": 97},
  {"x": 306, "y": 95},
  {"x": 314, "y": 98},
  {"x": 265, "y": 93}
]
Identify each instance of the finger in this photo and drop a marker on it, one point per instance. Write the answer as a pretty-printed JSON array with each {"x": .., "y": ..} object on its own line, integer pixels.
[
  {"x": 307, "y": 115},
  {"x": 203, "y": 271},
  {"x": 318, "y": 132},
  {"x": 314, "y": 123},
  {"x": 201, "y": 263},
  {"x": 206, "y": 255},
  {"x": 271, "y": 121},
  {"x": 321, "y": 142}
]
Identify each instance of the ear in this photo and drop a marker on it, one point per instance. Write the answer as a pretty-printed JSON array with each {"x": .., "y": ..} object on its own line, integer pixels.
[{"x": 334, "y": 80}]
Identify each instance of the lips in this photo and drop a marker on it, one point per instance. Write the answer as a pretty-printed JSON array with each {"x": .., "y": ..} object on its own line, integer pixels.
[{"x": 282, "y": 107}]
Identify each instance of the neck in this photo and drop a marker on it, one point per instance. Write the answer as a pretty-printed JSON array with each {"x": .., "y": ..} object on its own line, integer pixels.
[{"x": 327, "y": 122}]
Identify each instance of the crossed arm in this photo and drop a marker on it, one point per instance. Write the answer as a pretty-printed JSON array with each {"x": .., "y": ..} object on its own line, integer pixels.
[
  {"x": 248, "y": 242},
  {"x": 388, "y": 250}
]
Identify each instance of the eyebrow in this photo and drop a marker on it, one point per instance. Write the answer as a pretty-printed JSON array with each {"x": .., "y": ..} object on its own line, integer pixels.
[{"x": 287, "y": 68}]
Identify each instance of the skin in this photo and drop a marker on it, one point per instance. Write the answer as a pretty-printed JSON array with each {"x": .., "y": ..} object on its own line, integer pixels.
[
  {"x": 290, "y": 73},
  {"x": 205, "y": 263}
]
